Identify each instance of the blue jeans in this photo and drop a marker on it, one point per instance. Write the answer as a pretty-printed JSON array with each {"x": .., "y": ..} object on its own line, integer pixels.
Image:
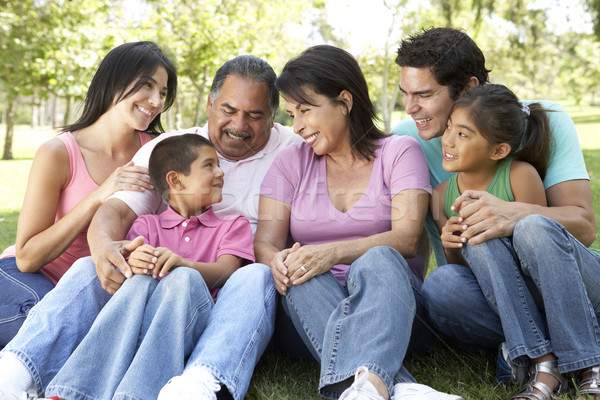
[
  {"x": 19, "y": 292},
  {"x": 368, "y": 322},
  {"x": 541, "y": 289},
  {"x": 58, "y": 323},
  {"x": 239, "y": 328},
  {"x": 139, "y": 340},
  {"x": 63, "y": 318}
]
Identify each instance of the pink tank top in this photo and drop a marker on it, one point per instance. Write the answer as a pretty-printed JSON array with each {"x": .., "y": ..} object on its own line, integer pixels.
[{"x": 80, "y": 185}]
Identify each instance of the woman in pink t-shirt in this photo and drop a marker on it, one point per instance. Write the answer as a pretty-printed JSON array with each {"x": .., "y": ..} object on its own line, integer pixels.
[
  {"x": 74, "y": 173},
  {"x": 354, "y": 201}
]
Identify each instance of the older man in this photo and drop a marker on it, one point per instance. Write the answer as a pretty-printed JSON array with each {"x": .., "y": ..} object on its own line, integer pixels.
[{"x": 241, "y": 108}]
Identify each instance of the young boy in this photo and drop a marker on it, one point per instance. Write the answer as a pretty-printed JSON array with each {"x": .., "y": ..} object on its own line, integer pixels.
[{"x": 187, "y": 236}]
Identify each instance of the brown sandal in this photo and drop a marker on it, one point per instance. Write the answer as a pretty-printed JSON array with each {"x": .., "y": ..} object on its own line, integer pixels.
[
  {"x": 543, "y": 391},
  {"x": 590, "y": 385}
]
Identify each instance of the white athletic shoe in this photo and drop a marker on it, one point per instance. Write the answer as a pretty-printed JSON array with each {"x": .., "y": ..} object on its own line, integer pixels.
[
  {"x": 194, "y": 384},
  {"x": 361, "y": 389},
  {"x": 416, "y": 391},
  {"x": 8, "y": 392}
]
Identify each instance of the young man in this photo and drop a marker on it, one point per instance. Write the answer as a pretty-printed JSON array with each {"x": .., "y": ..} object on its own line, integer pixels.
[
  {"x": 241, "y": 109},
  {"x": 437, "y": 66}
]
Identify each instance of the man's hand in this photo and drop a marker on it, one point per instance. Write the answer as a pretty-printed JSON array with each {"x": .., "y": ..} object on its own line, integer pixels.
[
  {"x": 486, "y": 216},
  {"x": 111, "y": 267}
]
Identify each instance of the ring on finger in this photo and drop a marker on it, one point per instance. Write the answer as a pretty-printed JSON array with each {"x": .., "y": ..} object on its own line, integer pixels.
[{"x": 303, "y": 268}]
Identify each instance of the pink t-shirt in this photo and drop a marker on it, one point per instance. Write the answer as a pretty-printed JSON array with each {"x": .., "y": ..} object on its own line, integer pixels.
[
  {"x": 202, "y": 238},
  {"x": 80, "y": 185},
  {"x": 299, "y": 177}
]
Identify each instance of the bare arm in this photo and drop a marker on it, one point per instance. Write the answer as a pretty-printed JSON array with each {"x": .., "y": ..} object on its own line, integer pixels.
[
  {"x": 39, "y": 238},
  {"x": 569, "y": 203},
  {"x": 409, "y": 209}
]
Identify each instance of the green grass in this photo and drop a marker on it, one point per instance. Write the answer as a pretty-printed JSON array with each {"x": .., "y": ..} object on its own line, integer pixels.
[{"x": 277, "y": 376}]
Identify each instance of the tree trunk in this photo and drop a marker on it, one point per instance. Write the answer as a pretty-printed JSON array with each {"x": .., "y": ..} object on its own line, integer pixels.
[
  {"x": 67, "y": 116},
  {"x": 34, "y": 112},
  {"x": 8, "y": 139}
]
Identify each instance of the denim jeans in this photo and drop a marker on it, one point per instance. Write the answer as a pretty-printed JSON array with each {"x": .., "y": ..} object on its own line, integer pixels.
[
  {"x": 544, "y": 287},
  {"x": 139, "y": 340},
  {"x": 368, "y": 322},
  {"x": 58, "y": 323},
  {"x": 19, "y": 292},
  {"x": 238, "y": 329}
]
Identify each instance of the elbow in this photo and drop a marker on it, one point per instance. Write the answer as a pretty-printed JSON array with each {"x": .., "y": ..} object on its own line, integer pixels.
[
  {"x": 589, "y": 234},
  {"x": 26, "y": 265},
  {"x": 410, "y": 250}
]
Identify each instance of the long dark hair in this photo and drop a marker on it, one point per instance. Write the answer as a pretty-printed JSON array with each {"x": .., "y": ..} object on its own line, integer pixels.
[
  {"x": 127, "y": 63},
  {"x": 501, "y": 118},
  {"x": 328, "y": 71}
]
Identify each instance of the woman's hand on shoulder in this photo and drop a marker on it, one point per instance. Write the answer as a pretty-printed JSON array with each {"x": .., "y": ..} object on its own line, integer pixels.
[{"x": 127, "y": 177}]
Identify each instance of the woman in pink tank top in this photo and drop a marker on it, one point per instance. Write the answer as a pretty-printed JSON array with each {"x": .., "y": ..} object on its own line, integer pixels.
[{"x": 74, "y": 173}]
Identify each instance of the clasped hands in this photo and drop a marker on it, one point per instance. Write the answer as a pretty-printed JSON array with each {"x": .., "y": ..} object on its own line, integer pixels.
[
  {"x": 482, "y": 216},
  {"x": 298, "y": 264}
]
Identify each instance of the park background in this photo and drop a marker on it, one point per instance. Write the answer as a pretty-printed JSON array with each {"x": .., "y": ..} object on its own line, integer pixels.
[{"x": 49, "y": 50}]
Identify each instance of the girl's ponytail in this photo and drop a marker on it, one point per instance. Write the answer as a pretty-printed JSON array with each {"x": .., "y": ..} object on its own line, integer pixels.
[{"x": 535, "y": 148}]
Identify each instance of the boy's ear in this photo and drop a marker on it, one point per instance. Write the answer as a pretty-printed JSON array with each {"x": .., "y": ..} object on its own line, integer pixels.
[
  {"x": 173, "y": 181},
  {"x": 500, "y": 151}
]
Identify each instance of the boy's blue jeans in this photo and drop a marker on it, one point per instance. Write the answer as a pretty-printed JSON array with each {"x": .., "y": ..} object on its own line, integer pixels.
[
  {"x": 539, "y": 291},
  {"x": 142, "y": 338}
]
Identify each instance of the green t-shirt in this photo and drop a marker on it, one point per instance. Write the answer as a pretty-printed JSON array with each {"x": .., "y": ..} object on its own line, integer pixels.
[{"x": 499, "y": 187}]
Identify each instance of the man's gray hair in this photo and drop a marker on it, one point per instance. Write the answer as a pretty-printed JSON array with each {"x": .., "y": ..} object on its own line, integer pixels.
[{"x": 247, "y": 67}]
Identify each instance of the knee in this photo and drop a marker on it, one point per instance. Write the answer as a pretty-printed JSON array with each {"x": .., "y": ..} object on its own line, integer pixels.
[
  {"x": 258, "y": 275},
  {"x": 381, "y": 262},
  {"x": 83, "y": 269},
  {"x": 180, "y": 280},
  {"x": 535, "y": 232}
]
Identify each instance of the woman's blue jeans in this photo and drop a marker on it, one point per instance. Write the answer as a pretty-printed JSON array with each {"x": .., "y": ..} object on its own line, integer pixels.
[
  {"x": 368, "y": 322},
  {"x": 539, "y": 291},
  {"x": 19, "y": 292}
]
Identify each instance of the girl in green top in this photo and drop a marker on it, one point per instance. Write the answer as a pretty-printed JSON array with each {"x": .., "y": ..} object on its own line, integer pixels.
[{"x": 496, "y": 144}]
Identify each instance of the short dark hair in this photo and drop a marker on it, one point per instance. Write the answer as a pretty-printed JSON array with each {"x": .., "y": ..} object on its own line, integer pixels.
[
  {"x": 501, "y": 118},
  {"x": 328, "y": 71},
  {"x": 176, "y": 153},
  {"x": 251, "y": 68},
  {"x": 129, "y": 62},
  {"x": 450, "y": 54}
]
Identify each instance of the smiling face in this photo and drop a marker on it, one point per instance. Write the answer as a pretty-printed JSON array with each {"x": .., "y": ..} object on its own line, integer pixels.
[
  {"x": 203, "y": 186},
  {"x": 239, "y": 119},
  {"x": 426, "y": 101},
  {"x": 139, "y": 109},
  {"x": 323, "y": 125},
  {"x": 464, "y": 148}
]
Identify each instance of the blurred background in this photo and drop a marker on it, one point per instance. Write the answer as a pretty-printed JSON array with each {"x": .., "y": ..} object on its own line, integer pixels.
[{"x": 49, "y": 49}]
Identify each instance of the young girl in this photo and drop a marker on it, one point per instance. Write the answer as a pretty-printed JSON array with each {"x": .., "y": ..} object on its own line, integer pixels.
[
  {"x": 183, "y": 243},
  {"x": 74, "y": 173},
  {"x": 498, "y": 145}
]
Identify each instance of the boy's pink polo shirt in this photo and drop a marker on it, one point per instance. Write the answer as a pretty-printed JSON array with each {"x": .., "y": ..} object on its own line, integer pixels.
[{"x": 202, "y": 238}]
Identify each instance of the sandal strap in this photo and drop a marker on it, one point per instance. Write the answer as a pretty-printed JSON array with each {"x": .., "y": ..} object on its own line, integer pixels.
[
  {"x": 591, "y": 385},
  {"x": 544, "y": 391}
]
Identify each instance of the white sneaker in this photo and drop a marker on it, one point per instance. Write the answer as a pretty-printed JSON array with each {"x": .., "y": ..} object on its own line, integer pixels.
[
  {"x": 195, "y": 384},
  {"x": 361, "y": 389},
  {"x": 416, "y": 391},
  {"x": 8, "y": 392}
]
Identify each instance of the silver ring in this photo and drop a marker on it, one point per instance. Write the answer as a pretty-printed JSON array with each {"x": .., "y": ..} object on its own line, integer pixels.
[{"x": 303, "y": 269}]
